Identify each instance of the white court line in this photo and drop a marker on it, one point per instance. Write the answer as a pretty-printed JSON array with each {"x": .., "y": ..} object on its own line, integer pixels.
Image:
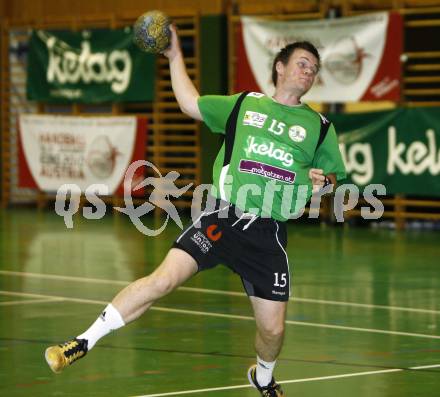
[
  {"x": 67, "y": 299},
  {"x": 30, "y": 301},
  {"x": 233, "y": 316},
  {"x": 213, "y": 291},
  {"x": 426, "y": 366},
  {"x": 349, "y": 375}
]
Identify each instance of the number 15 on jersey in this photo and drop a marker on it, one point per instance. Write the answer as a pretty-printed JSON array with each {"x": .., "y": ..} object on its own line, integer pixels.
[{"x": 280, "y": 280}]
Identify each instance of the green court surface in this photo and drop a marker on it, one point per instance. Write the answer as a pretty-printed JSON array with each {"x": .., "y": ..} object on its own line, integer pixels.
[{"x": 364, "y": 320}]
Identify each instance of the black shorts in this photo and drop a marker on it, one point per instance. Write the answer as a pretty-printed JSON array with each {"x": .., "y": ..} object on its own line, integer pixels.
[{"x": 253, "y": 247}]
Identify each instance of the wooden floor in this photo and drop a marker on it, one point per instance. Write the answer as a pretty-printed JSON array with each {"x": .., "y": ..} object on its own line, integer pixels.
[{"x": 364, "y": 320}]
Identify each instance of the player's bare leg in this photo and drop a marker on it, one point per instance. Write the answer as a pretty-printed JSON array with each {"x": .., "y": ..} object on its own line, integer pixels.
[
  {"x": 270, "y": 319},
  {"x": 130, "y": 303},
  {"x": 177, "y": 267}
]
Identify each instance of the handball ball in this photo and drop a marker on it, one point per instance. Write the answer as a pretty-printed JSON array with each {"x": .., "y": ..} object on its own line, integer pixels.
[{"x": 152, "y": 32}]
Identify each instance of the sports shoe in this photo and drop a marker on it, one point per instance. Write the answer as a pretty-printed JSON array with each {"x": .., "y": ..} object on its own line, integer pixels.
[
  {"x": 273, "y": 389},
  {"x": 60, "y": 356}
]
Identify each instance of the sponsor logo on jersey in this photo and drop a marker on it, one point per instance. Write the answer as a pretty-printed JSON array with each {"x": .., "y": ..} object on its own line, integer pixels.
[
  {"x": 256, "y": 94},
  {"x": 212, "y": 234},
  {"x": 266, "y": 170},
  {"x": 254, "y": 119},
  {"x": 281, "y": 293},
  {"x": 267, "y": 148},
  {"x": 297, "y": 133},
  {"x": 202, "y": 242}
]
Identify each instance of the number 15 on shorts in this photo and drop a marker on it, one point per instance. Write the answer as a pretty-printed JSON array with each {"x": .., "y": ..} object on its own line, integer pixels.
[{"x": 280, "y": 280}]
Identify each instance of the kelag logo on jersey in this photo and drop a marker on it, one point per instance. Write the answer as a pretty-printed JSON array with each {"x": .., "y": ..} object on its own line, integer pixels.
[
  {"x": 254, "y": 119},
  {"x": 264, "y": 148}
]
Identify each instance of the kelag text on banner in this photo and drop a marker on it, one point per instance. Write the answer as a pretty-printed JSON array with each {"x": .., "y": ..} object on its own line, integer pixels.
[
  {"x": 92, "y": 66},
  {"x": 399, "y": 149}
]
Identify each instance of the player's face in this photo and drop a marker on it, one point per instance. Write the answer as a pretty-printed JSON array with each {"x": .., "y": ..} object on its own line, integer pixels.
[{"x": 299, "y": 73}]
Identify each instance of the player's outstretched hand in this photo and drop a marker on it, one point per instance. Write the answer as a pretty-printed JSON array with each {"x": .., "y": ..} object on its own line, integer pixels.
[{"x": 174, "y": 49}]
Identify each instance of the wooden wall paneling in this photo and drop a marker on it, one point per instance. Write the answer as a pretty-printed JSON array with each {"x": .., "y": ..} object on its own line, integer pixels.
[{"x": 57, "y": 9}]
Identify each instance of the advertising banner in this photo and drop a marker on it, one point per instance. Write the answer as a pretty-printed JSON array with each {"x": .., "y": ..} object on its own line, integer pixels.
[
  {"x": 57, "y": 150},
  {"x": 92, "y": 66},
  {"x": 360, "y": 55},
  {"x": 399, "y": 149}
]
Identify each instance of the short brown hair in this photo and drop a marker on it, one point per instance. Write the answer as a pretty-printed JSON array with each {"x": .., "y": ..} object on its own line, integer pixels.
[{"x": 285, "y": 53}]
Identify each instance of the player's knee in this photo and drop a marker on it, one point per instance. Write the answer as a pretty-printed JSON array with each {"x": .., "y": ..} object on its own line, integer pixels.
[
  {"x": 272, "y": 331},
  {"x": 163, "y": 285}
]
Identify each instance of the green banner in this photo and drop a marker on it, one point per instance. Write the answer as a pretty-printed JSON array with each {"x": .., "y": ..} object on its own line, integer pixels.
[
  {"x": 398, "y": 148},
  {"x": 91, "y": 66}
]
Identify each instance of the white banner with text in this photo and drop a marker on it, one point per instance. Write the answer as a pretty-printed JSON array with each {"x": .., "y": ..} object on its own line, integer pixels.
[
  {"x": 360, "y": 55},
  {"x": 57, "y": 150}
]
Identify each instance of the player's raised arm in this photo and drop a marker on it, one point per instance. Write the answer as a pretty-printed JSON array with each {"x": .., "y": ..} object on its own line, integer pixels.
[{"x": 184, "y": 89}]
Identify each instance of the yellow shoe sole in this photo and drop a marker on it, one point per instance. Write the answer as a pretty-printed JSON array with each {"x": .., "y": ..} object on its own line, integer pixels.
[{"x": 55, "y": 359}]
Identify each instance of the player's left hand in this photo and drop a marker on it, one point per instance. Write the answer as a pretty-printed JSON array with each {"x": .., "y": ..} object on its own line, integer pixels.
[{"x": 318, "y": 179}]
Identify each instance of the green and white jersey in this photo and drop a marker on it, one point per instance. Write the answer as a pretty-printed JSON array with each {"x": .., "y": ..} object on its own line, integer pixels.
[{"x": 273, "y": 151}]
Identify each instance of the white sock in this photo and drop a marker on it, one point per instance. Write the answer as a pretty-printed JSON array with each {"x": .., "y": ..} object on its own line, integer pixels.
[
  {"x": 109, "y": 320},
  {"x": 264, "y": 371}
]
